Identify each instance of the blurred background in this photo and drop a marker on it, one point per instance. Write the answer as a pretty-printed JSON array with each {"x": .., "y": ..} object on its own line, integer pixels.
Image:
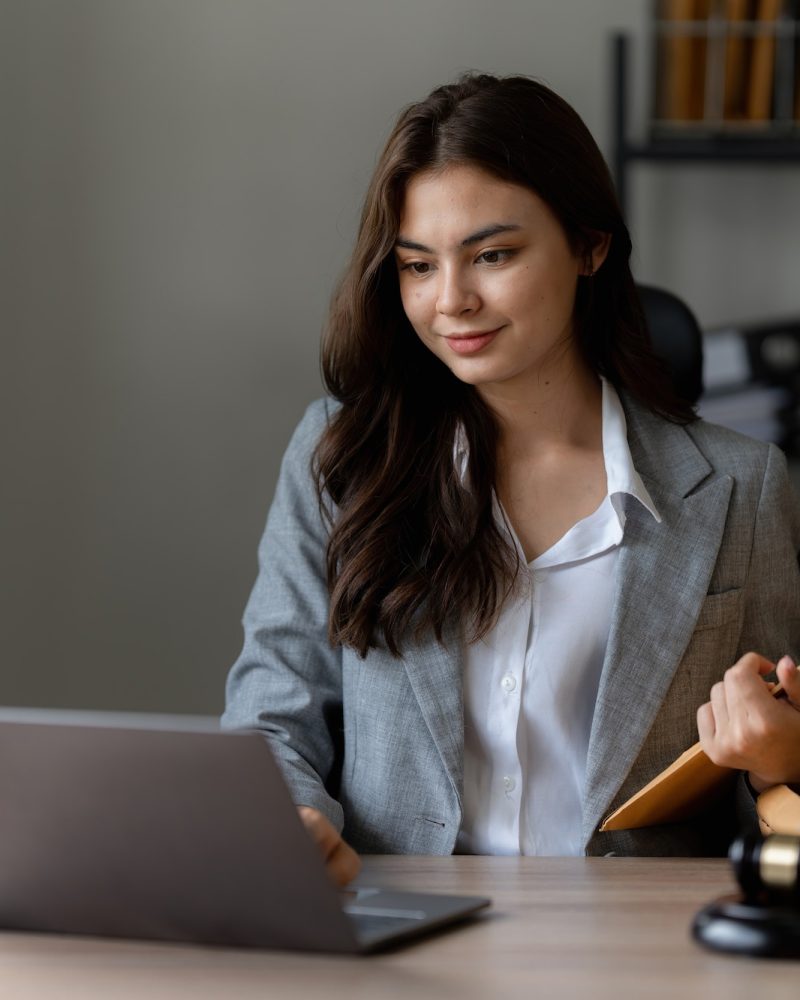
[{"x": 179, "y": 187}]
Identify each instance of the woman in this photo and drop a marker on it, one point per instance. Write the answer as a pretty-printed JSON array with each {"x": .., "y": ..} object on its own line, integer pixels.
[{"x": 505, "y": 564}]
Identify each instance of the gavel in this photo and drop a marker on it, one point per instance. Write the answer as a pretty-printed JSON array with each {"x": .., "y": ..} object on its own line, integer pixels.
[
  {"x": 765, "y": 920},
  {"x": 767, "y": 868}
]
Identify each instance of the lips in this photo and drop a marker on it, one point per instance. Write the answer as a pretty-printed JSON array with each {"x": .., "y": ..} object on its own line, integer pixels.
[{"x": 471, "y": 343}]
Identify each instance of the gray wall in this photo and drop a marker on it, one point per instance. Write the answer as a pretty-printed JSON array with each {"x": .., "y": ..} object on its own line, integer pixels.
[{"x": 180, "y": 182}]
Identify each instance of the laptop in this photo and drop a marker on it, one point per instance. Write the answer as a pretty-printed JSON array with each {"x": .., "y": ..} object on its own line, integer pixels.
[{"x": 167, "y": 828}]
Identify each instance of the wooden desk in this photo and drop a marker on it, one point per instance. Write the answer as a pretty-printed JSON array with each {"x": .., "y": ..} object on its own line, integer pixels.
[{"x": 559, "y": 928}]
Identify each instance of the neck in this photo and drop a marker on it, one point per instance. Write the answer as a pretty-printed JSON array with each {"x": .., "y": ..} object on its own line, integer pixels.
[{"x": 550, "y": 410}]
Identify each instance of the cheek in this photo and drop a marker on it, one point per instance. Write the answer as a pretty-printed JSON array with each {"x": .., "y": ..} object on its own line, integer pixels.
[
  {"x": 553, "y": 289},
  {"x": 415, "y": 305}
]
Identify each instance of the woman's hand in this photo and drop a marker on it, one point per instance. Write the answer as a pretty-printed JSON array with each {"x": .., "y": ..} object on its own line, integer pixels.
[
  {"x": 341, "y": 861},
  {"x": 744, "y": 727}
]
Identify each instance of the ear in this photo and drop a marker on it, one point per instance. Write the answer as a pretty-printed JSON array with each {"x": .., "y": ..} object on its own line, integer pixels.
[{"x": 596, "y": 252}]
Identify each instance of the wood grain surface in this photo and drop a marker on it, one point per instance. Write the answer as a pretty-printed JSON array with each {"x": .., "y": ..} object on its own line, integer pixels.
[{"x": 559, "y": 927}]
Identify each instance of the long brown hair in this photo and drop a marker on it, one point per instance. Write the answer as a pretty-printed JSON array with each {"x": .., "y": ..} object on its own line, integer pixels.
[{"x": 411, "y": 546}]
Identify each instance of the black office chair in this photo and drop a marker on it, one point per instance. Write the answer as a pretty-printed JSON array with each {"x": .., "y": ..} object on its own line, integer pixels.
[{"x": 676, "y": 338}]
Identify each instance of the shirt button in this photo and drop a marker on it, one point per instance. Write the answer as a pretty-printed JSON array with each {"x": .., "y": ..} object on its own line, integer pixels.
[
  {"x": 509, "y": 784},
  {"x": 508, "y": 683}
]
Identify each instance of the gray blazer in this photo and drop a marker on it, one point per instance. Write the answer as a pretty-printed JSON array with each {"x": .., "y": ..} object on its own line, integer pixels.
[{"x": 377, "y": 744}]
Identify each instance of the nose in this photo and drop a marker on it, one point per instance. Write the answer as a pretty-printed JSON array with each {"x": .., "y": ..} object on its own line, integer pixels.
[{"x": 456, "y": 293}]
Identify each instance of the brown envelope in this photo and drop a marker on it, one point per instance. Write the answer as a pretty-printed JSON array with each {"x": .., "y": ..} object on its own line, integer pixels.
[
  {"x": 681, "y": 790},
  {"x": 675, "y": 794}
]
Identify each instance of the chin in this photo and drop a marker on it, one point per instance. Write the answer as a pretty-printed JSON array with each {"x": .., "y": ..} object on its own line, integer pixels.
[{"x": 469, "y": 376}]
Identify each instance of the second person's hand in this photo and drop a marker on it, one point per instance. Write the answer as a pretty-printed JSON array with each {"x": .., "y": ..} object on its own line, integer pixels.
[{"x": 744, "y": 727}]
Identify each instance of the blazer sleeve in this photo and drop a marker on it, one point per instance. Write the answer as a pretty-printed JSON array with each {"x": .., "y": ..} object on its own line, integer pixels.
[{"x": 287, "y": 679}]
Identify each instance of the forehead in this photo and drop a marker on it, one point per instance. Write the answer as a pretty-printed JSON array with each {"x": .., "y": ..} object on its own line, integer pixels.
[{"x": 465, "y": 197}]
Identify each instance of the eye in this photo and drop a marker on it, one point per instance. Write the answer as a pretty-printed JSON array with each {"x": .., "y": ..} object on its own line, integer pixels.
[
  {"x": 495, "y": 256},
  {"x": 418, "y": 267}
]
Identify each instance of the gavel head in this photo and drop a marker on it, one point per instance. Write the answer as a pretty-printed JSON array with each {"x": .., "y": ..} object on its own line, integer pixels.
[{"x": 767, "y": 868}]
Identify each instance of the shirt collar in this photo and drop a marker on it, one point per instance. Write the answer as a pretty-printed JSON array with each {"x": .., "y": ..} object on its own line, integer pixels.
[{"x": 621, "y": 475}]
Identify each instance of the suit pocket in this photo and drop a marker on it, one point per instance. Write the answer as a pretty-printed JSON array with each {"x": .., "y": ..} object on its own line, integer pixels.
[
  {"x": 715, "y": 642},
  {"x": 719, "y": 609}
]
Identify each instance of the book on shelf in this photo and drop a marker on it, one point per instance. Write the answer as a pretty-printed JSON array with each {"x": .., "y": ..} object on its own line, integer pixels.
[
  {"x": 787, "y": 69},
  {"x": 682, "y": 60},
  {"x": 796, "y": 61},
  {"x": 729, "y": 65},
  {"x": 737, "y": 58},
  {"x": 762, "y": 71}
]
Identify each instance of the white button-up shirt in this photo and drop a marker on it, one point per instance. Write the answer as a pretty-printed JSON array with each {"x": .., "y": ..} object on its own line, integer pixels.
[{"x": 530, "y": 685}]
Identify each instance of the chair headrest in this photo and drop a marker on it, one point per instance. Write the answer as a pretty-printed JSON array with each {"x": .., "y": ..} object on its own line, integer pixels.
[{"x": 676, "y": 338}]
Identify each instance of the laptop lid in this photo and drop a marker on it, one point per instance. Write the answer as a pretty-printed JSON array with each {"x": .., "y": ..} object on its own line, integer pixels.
[{"x": 169, "y": 829}]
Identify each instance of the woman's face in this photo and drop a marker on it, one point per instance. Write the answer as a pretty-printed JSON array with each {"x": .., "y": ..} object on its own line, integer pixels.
[{"x": 487, "y": 277}]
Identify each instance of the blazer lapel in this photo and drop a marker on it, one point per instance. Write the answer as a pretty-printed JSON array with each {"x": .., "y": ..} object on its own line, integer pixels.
[
  {"x": 434, "y": 671},
  {"x": 662, "y": 577}
]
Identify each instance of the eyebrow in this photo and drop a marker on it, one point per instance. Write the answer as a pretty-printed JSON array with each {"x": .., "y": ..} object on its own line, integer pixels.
[{"x": 476, "y": 237}]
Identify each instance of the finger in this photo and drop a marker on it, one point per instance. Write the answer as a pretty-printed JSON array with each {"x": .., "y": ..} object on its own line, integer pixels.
[
  {"x": 343, "y": 863},
  {"x": 322, "y": 831},
  {"x": 706, "y": 728},
  {"x": 737, "y": 687},
  {"x": 752, "y": 665},
  {"x": 745, "y": 691},
  {"x": 757, "y": 664},
  {"x": 789, "y": 676},
  {"x": 719, "y": 707}
]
